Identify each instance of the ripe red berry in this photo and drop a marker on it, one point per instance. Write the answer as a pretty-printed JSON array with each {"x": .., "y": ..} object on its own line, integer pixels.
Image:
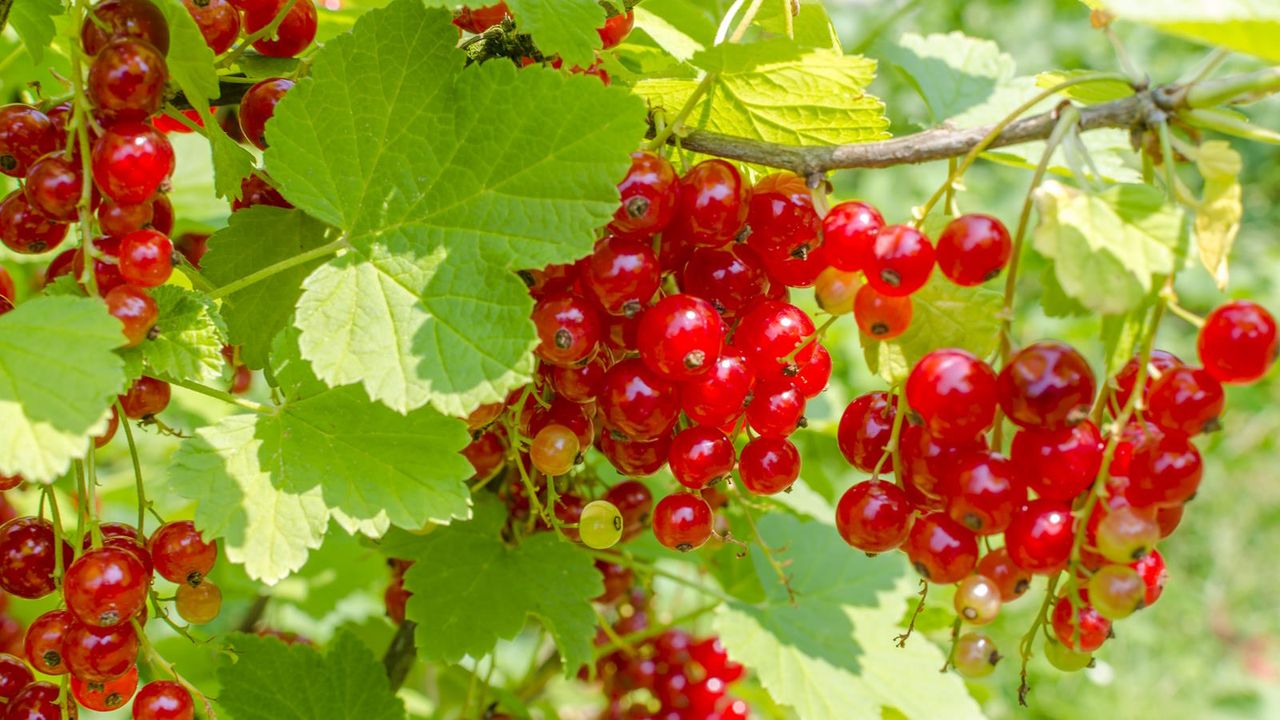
[
  {"x": 983, "y": 491},
  {"x": 27, "y": 557},
  {"x": 874, "y": 516},
  {"x": 730, "y": 278},
  {"x": 135, "y": 310},
  {"x": 798, "y": 268},
  {"x": 569, "y": 328},
  {"x": 680, "y": 337},
  {"x": 1164, "y": 472},
  {"x": 163, "y": 700},
  {"x": 701, "y": 455},
  {"x": 1058, "y": 464},
  {"x": 1082, "y": 628},
  {"x": 1238, "y": 342},
  {"x": 146, "y": 258},
  {"x": 54, "y": 186},
  {"x": 24, "y": 229},
  {"x": 1153, "y": 572},
  {"x": 954, "y": 393},
  {"x": 973, "y": 249},
  {"x": 782, "y": 217},
  {"x": 161, "y": 214},
  {"x": 127, "y": 79},
  {"x": 849, "y": 231},
  {"x": 1186, "y": 401},
  {"x": 146, "y": 397},
  {"x": 105, "y": 586},
  {"x": 815, "y": 374},
  {"x": 616, "y": 28},
  {"x": 114, "y": 19},
  {"x": 100, "y": 654},
  {"x": 15, "y": 676},
  {"x": 879, "y": 316},
  {"x": 7, "y": 288},
  {"x": 864, "y": 431},
  {"x": 776, "y": 409},
  {"x": 720, "y": 396},
  {"x": 255, "y": 190},
  {"x": 43, "y": 643},
  {"x": 26, "y": 134},
  {"x": 294, "y": 33},
  {"x": 769, "y": 333},
  {"x": 998, "y": 567},
  {"x": 638, "y": 402},
  {"x": 623, "y": 275},
  {"x": 1040, "y": 536},
  {"x": 1159, "y": 363},
  {"x": 635, "y": 502},
  {"x": 36, "y": 701},
  {"x": 648, "y": 196},
  {"x": 900, "y": 262},
  {"x": 180, "y": 554},
  {"x": 768, "y": 465},
  {"x": 579, "y": 384},
  {"x": 258, "y": 106},
  {"x": 1046, "y": 385},
  {"x": 712, "y": 204},
  {"x": 218, "y": 20},
  {"x": 477, "y": 20},
  {"x": 130, "y": 161},
  {"x": 682, "y": 521},
  {"x": 940, "y": 549},
  {"x": 633, "y": 457},
  {"x": 118, "y": 220}
]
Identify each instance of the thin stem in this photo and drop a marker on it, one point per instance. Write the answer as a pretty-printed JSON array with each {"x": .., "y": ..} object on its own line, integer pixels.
[
  {"x": 895, "y": 434},
  {"x": 630, "y": 639},
  {"x": 91, "y": 500},
  {"x": 815, "y": 336},
  {"x": 1211, "y": 62},
  {"x": 901, "y": 640},
  {"x": 955, "y": 640},
  {"x": 137, "y": 470},
  {"x": 81, "y": 116},
  {"x": 628, "y": 561},
  {"x": 745, "y": 22},
  {"x": 1184, "y": 313},
  {"x": 56, "y": 516},
  {"x": 1028, "y": 640},
  {"x": 783, "y": 578},
  {"x": 157, "y": 660},
  {"x": 267, "y": 31},
  {"x": 222, "y": 395},
  {"x": 788, "y": 19},
  {"x": 690, "y": 103},
  {"x": 258, "y": 276}
]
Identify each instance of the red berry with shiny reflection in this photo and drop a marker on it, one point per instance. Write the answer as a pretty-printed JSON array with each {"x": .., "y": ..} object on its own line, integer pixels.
[
  {"x": 623, "y": 274},
  {"x": 720, "y": 396},
  {"x": 258, "y": 106},
  {"x": 113, "y": 19},
  {"x": 700, "y": 455},
  {"x": 105, "y": 586},
  {"x": 954, "y": 393},
  {"x": 193, "y": 246},
  {"x": 776, "y": 409},
  {"x": 54, "y": 186},
  {"x": 864, "y": 431},
  {"x": 26, "y": 134},
  {"x": 579, "y": 384},
  {"x": 27, "y": 557},
  {"x": 1040, "y": 536},
  {"x": 769, "y": 333},
  {"x": 880, "y": 316},
  {"x": 713, "y": 200},
  {"x": 682, "y": 521},
  {"x": 927, "y": 461},
  {"x": 146, "y": 258},
  {"x": 768, "y": 465},
  {"x": 1058, "y": 464},
  {"x": 100, "y": 654},
  {"x": 43, "y": 643},
  {"x": 294, "y": 33},
  {"x": 815, "y": 374},
  {"x": 941, "y": 550},
  {"x": 634, "y": 502},
  {"x": 1165, "y": 472},
  {"x": 146, "y": 397},
  {"x": 973, "y": 249},
  {"x": 26, "y": 230},
  {"x": 729, "y": 278},
  {"x": 161, "y": 214},
  {"x": 1154, "y": 574},
  {"x": 479, "y": 19},
  {"x": 1159, "y": 363},
  {"x": 1000, "y": 569},
  {"x": 163, "y": 700},
  {"x": 255, "y": 190},
  {"x": 983, "y": 491},
  {"x": 874, "y": 516},
  {"x": 798, "y": 268},
  {"x": 130, "y": 161},
  {"x": 1168, "y": 518},
  {"x": 1238, "y": 342},
  {"x": 1186, "y": 401},
  {"x": 633, "y": 457},
  {"x": 127, "y": 80},
  {"x": 218, "y": 20},
  {"x": 108, "y": 696},
  {"x": 15, "y": 676},
  {"x": 180, "y": 554},
  {"x": 648, "y": 196},
  {"x": 1081, "y": 628},
  {"x": 900, "y": 262},
  {"x": 36, "y": 701},
  {"x": 1046, "y": 385},
  {"x": 118, "y": 220},
  {"x": 638, "y": 402},
  {"x": 615, "y": 29},
  {"x": 135, "y": 310},
  {"x": 569, "y": 328},
  {"x": 849, "y": 232},
  {"x": 782, "y": 217}
]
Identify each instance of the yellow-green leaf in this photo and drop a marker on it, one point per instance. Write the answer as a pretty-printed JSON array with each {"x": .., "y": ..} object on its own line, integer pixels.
[{"x": 1218, "y": 217}]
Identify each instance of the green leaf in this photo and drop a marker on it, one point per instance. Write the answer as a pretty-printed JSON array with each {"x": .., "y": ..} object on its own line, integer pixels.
[
  {"x": 1108, "y": 248},
  {"x": 1054, "y": 299},
  {"x": 256, "y": 238},
  {"x": 543, "y": 576},
  {"x": 1120, "y": 336},
  {"x": 1249, "y": 26},
  {"x": 681, "y": 27},
  {"x": 819, "y": 98},
  {"x": 232, "y": 163},
  {"x": 60, "y": 378},
  {"x": 810, "y": 27},
  {"x": 743, "y": 57},
  {"x": 192, "y": 185},
  {"x": 1093, "y": 93},
  {"x": 270, "y": 680},
  {"x": 831, "y": 654},
  {"x": 445, "y": 180},
  {"x": 952, "y": 72},
  {"x": 268, "y": 530},
  {"x": 261, "y": 67},
  {"x": 190, "y": 60},
  {"x": 1218, "y": 217},
  {"x": 190, "y": 337},
  {"x": 943, "y": 315},
  {"x": 33, "y": 21},
  {"x": 567, "y": 29}
]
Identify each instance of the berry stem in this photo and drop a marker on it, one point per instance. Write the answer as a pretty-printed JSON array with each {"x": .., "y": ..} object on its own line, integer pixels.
[
  {"x": 901, "y": 640},
  {"x": 157, "y": 660},
  {"x": 615, "y": 640},
  {"x": 628, "y": 561},
  {"x": 1028, "y": 640},
  {"x": 652, "y": 631},
  {"x": 222, "y": 395},
  {"x": 58, "y": 534},
  {"x": 1173, "y": 307},
  {"x": 778, "y": 568},
  {"x": 78, "y": 132},
  {"x": 198, "y": 280},
  {"x": 90, "y": 498},
  {"x": 143, "y": 505},
  {"x": 267, "y": 31},
  {"x": 816, "y": 336},
  {"x": 951, "y": 652},
  {"x": 258, "y": 276}
]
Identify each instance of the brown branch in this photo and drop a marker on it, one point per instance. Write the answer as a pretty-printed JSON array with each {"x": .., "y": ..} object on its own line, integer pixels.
[{"x": 400, "y": 654}]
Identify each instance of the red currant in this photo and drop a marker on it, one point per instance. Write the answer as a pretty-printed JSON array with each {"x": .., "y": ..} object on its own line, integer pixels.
[
  {"x": 874, "y": 516},
  {"x": 1058, "y": 464},
  {"x": 113, "y": 19},
  {"x": 180, "y": 554},
  {"x": 26, "y": 134},
  {"x": 927, "y": 461},
  {"x": 638, "y": 402},
  {"x": 135, "y": 310},
  {"x": 161, "y": 213},
  {"x": 798, "y": 268},
  {"x": 954, "y": 393},
  {"x": 616, "y": 28},
  {"x": 1040, "y": 536},
  {"x": 720, "y": 396},
  {"x": 1160, "y": 363},
  {"x": 849, "y": 232},
  {"x": 617, "y": 581},
  {"x": 15, "y": 676},
  {"x": 1082, "y": 628},
  {"x": 815, "y": 374},
  {"x": 1165, "y": 472},
  {"x": 729, "y": 278},
  {"x": 635, "y": 502},
  {"x": 776, "y": 409},
  {"x": 118, "y": 220},
  {"x": 24, "y": 229},
  {"x": 145, "y": 398},
  {"x": 1168, "y": 518},
  {"x": 99, "y": 654},
  {"x": 106, "y": 586},
  {"x": 127, "y": 79},
  {"x": 201, "y": 604},
  {"x": 648, "y": 196},
  {"x": 477, "y": 20},
  {"x": 635, "y": 458},
  {"x": 713, "y": 201},
  {"x": 130, "y": 161},
  {"x": 700, "y": 456},
  {"x": 258, "y": 106},
  {"x": 146, "y": 258},
  {"x": 623, "y": 275},
  {"x": 569, "y": 328},
  {"x": 772, "y": 331},
  {"x": 1046, "y": 385},
  {"x": 53, "y": 186},
  {"x": 37, "y": 701},
  {"x": 163, "y": 700},
  {"x": 292, "y": 35},
  {"x": 255, "y": 190},
  {"x": 682, "y": 521},
  {"x": 781, "y": 216},
  {"x": 1186, "y": 401},
  {"x": 973, "y": 249},
  {"x": 879, "y": 316},
  {"x": 7, "y": 289},
  {"x": 1153, "y": 572},
  {"x": 1238, "y": 342},
  {"x": 107, "y": 696},
  {"x": 768, "y": 465},
  {"x": 579, "y": 384},
  {"x": 998, "y": 567},
  {"x": 218, "y": 20},
  {"x": 27, "y": 557},
  {"x": 983, "y": 491},
  {"x": 865, "y": 428},
  {"x": 940, "y": 549},
  {"x": 900, "y": 262}
]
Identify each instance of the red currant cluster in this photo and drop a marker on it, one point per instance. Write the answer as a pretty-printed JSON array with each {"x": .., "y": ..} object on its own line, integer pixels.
[
  {"x": 1068, "y": 497},
  {"x": 615, "y": 29},
  {"x": 93, "y": 637}
]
